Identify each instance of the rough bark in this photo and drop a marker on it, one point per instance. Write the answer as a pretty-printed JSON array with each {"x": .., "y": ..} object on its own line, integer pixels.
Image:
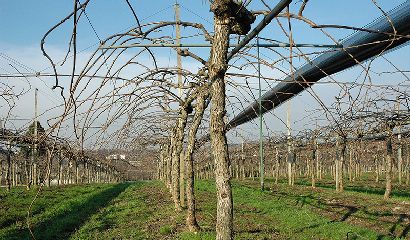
[
  {"x": 191, "y": 214},
  {"x": 182, "y": 178},
  {"x": 217, "y": 69},
  {"x": 179, "y": 134}
]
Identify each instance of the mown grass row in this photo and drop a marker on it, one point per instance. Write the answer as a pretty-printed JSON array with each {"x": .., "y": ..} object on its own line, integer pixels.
[
  {"x": 144, "y": 210},
  {"x": 265, "y": 215},
  {"x": 55, "y": 213}
]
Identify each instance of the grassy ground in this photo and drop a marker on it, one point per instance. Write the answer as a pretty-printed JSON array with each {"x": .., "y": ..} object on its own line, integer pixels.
[
  {"x": 143, "y": 210},
  {"x": 303, "y": 213},
  {"x": 56, "y": 213}
]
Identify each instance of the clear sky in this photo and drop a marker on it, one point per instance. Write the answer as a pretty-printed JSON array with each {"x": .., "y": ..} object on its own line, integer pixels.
[{"x": 24, "y": 22}]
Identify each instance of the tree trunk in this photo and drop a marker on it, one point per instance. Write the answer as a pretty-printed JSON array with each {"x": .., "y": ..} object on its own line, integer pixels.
[
  {"x": 350, "y": 162},
  {"x": 217, "y": 69},
  {"x": 1, "y": 172},
  {"x": 8, "y": 170},
  {"x": 60, "y": 172},
  {"x": 179, "y": 138},
  {"x": 34, "y": 174},
  {"x": 399, "y": 162},
  {"x": 376, "y": 163},
  {"x": 48, "y": 174},
  {"x": 169, "y": 165},
  {"x": 277, "y": 165},
  {"x": 408, "y": 165},
  {"x": 389, "y": 153},
  {"x": 77, "y": 172},
  {"x": 13, "y": 173},
  {"x": 242, "y": 161},
  {"x": 182, "y": 178},
  {"x": 191, "y": 214},
  {"x": 313, "y": 161}
]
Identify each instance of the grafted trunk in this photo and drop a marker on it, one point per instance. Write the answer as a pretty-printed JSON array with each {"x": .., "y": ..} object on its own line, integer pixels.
[
  {"x": 199, "y": 111},
  {"x": 217, "y": 69},
  {"x": 179, "y": 138}
]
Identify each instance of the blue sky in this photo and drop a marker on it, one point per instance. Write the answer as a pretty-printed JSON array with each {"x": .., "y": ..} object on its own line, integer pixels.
[{"x": 24, "y": 22}]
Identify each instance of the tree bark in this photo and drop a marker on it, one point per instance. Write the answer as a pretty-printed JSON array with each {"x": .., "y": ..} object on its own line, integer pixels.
[
  {"x": 408, "y": 165},
  {"x": 399, "y": 162},
  {"x": 182, "y": 178},
  {"x": 169, "y": 164},
  {"x": 217, "y": 69},
  {"x": 48, "y": 174},
  {"x": 179, "y": 138},
  {"x": 313, "y": 163},
  {"x": 199, "y": 111},
  {"x": 389, "y": 153}
]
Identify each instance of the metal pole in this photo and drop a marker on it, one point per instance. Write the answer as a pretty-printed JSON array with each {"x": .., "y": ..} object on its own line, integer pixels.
[
  {"x": 289, "y": 144},
  {"x": 179, "y": 65},
  {"x": 35, "y": 122},
  {"x": 399, "y": 148},
  {"x": 262, "y": 162},
  {"x": 178, "y": 40},
  {"x": 34, "y": 149}
]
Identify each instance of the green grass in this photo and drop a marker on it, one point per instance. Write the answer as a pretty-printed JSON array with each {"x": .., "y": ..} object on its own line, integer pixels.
[
  {"x": 144, "y": 210},
  {"x": 367, "y": 186},
  {"x": 282, "y": 215},
  {"x": 56, "y": 212}
]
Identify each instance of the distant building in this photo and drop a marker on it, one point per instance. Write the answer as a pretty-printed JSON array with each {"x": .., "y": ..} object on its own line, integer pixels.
[{"x": 116, "y": 157}]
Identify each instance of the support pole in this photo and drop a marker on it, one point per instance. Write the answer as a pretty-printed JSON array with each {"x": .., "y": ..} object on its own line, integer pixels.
[
  {"x": 179, "y": 66},
  {"x": 262, "y": 161}
]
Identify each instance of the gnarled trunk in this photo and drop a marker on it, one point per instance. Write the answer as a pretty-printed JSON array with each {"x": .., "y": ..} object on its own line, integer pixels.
[
  {"x": 199, "y": 111},
  {"x": 179, "y": 138},
  {"x": 217, "y": 69}
]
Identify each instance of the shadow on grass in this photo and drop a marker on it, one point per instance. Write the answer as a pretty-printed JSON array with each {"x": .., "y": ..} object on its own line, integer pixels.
[
  {"x": 62, "y": 225},
  {"x": 360, "y": 189}
]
